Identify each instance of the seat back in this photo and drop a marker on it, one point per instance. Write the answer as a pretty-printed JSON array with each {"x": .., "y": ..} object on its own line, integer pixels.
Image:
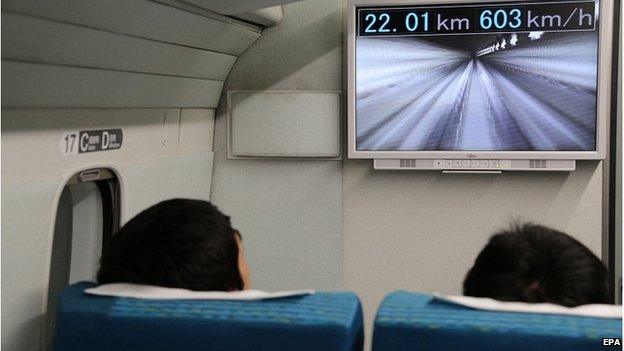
[
  {"x": 322, "y": 321},
  {"x": 411, "y": 321}
]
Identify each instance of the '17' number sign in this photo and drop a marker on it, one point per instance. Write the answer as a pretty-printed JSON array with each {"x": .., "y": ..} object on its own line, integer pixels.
[{"x": 91, "y": 141}]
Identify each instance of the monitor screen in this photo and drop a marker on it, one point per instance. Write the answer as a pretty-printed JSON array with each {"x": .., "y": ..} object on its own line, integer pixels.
[{"x": 477, "y": 77}]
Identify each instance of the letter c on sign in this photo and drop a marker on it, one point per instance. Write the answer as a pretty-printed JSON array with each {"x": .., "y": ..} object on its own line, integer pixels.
[{"x": 84, "y": 142}]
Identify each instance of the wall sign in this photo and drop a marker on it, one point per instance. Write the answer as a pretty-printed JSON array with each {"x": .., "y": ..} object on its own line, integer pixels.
[{"x": 91, "y": 141}]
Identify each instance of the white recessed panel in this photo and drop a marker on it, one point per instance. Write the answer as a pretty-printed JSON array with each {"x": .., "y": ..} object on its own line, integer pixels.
[{"x": 284, "y": 124}]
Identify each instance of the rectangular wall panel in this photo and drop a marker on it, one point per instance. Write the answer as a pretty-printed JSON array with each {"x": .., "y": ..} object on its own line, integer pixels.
[
  {"x": 35, "y": 85},
  {"x": 284, "y": 123},
  {"x": 196, "y": 130},
  {"x": 36, "y": 40},
  {"x": 143, "y": 18}
]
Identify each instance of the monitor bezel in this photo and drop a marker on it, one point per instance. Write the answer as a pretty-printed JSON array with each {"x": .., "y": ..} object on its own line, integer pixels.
[{"x": 605, "y": 54}]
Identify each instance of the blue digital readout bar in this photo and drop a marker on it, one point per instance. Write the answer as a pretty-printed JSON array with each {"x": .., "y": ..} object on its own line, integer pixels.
[{"x": 484, "y": 18}]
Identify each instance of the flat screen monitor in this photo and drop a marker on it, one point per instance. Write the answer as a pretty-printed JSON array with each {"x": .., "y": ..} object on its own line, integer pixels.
[{"x": 491, "y": 79}]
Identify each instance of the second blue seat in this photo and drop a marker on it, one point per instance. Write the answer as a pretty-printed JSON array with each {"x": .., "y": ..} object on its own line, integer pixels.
[{"x": 416, "y": 322}]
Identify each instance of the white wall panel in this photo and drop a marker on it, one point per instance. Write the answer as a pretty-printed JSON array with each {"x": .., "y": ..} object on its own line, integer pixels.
[
  {"x": 179, "y": 176},
  {"x": 37, "y": 85},
  {"x": 196, "y": 130},
  {"x": 145, "y": 19},
  {"x": 284, "y": 123},
  {"x": 116, "y": 54},
  {"x": 36, "y": 40},
  {"x": 27, "y": 218}
]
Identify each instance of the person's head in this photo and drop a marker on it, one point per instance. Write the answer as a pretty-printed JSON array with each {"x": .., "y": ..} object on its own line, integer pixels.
[
  {"x": 532, "y": 263},
  {"x": 177, "y": 243}
]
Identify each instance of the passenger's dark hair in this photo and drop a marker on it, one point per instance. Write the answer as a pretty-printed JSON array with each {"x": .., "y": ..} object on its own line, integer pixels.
[
  {"x": 177, "y": 243},
  {"x": 533, "y": 263}
]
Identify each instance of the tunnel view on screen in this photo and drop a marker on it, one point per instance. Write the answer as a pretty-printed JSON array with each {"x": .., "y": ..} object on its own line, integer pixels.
[{"x": 511, "y": 77}]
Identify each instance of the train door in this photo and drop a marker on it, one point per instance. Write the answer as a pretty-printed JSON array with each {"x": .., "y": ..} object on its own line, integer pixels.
[{"x": 87, "y": 216}]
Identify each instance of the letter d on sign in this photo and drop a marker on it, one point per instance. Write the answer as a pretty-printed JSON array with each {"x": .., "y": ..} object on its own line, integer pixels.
[{"x": 105, "y": 140}]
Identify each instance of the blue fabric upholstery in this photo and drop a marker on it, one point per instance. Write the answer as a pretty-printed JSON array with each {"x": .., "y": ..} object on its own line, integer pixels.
[
  {"x": 322, "y": 321},
  {"x": 410, "y": 321}
]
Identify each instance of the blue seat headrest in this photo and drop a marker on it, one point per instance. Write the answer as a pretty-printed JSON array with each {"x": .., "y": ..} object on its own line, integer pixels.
[
  {"x": 322, "y": 321},
  {"x": 411, "y": 321}
]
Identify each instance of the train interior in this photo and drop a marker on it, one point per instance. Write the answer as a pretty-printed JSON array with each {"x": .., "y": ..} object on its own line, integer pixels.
[{"x": 110, "y": 107}]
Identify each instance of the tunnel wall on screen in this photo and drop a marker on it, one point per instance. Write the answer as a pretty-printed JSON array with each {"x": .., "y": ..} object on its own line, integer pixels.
[{"x": 443, "y": 93}]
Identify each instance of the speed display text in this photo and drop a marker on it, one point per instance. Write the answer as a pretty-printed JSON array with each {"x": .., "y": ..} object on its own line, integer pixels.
[{"x": 521, "y": 17}]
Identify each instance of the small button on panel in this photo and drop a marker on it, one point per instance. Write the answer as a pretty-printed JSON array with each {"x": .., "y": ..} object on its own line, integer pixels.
[{"x": 468, "y": 164}]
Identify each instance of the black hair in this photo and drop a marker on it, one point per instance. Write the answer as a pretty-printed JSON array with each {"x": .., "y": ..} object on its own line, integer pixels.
[
  {"x": 533, "y": 263},
  {"x": 177, "y": 243}
]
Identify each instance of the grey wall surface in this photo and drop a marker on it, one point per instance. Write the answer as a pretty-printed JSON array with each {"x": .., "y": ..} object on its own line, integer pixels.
[
  {"x": 284, "y": 124},
  {"x": 421, "y": 231},
  {"x": 406, "y": 230},
  {"x": 288, "y": 211}
]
